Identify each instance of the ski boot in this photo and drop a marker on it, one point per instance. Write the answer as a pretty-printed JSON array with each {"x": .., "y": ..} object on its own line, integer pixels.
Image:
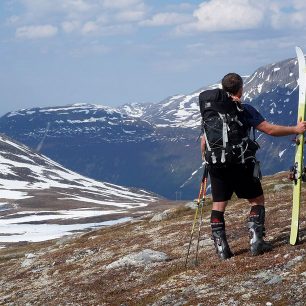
[
  {"x": 257, "y": 231},
  {"x": 221, "y": 245},
  {"x": 258, "y": 245}
]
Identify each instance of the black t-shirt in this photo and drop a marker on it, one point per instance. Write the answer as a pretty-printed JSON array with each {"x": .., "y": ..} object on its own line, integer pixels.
[{"x": 250, "y": 117}]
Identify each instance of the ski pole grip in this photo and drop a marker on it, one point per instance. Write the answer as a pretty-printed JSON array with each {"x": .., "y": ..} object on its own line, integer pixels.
[{"x": 205, "y": 174}]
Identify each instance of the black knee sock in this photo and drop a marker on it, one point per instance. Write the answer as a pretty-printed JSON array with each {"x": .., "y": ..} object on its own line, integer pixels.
[
  {"x": 217, "y": 220},
  {"x": 257, "y": 214}
]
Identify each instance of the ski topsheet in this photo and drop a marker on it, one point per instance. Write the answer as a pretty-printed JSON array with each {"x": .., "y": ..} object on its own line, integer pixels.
[{"x": 298, "y": 161}]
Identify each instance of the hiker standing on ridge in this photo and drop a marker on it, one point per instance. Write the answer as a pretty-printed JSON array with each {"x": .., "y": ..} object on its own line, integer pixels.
[{"x": 230, "y": 155}]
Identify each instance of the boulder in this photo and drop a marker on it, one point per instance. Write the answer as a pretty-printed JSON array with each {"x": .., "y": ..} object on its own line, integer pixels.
[
  {"x": 142, "y": 258},
  {"x": 165, "y": 215}
]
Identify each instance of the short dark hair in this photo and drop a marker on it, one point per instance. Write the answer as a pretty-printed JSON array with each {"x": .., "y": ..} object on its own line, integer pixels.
[{"x": 232, "y": 83}]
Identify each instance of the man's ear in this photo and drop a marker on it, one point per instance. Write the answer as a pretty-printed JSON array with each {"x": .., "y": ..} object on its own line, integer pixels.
[{"x": 239, "y": 93}]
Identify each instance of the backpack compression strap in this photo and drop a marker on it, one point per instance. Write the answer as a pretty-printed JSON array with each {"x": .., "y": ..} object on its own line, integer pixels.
[{"x": 224, "y": 136}]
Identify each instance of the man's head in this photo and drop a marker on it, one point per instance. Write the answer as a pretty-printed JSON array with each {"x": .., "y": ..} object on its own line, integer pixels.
[{"x": 233, "y": 84}]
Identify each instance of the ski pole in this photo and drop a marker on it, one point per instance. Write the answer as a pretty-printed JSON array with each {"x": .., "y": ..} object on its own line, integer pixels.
[
  {"x": 202, "y": 201},
  {"x": 196, "y": 214},
  {"x": 192, "y": 229}
]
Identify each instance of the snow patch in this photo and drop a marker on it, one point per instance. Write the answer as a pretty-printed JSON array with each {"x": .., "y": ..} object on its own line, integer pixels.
[
  {"x": 281, "y": 153},
  {"x": 259, "y": 87},
  {"x": 13, "y": 231}
]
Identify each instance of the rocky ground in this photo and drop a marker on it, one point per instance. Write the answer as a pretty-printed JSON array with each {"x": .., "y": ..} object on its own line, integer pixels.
[{"x": 142, "y": 262}]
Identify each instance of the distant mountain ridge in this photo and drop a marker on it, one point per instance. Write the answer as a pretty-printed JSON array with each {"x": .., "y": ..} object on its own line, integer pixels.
[
  {"x": 154, "y": 145},
  {"x": 71, "y": 120}
]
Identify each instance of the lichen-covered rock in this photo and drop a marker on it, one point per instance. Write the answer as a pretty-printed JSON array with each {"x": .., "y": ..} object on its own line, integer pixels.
[
  {"x": 294, "y": 261},
  {"x": 30, "y": 258},
  {"x": 280, "y": 187},
  {"x": 144, "y": 257},
  {"x": 165, "y": 215},
  {"x": 191, "y": 205}
]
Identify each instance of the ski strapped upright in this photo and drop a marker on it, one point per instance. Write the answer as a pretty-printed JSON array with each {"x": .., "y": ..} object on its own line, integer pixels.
[{"x": 297, "y": 171}]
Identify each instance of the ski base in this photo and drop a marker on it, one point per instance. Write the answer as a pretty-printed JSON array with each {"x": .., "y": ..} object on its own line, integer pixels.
[{"x": 294, "y": 233}]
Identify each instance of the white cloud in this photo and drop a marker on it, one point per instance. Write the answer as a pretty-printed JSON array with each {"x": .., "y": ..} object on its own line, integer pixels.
[
  {"x": 85, "y": 17},
  {"x": 226, "y": 15},
  {"x": 184, "y": 6},
  {"x": 292, "y": 20},
  {"x": 130, "y": 16},
  {"x": 70, "y": 26},
  {"x": 41, "y": 8},
  {"x": 288, "y": 15},
  {"x": 163, "y": 19},
  {"x": 36, "y": 32},
  {"x": 299, "y": 4},
  {"x": 235, "y": 15},
  {"x": 75, "y": 5},
  {"x": 117, "y": 29},
  {"x": 120, "y": 4},
  {"x": 38, "y": 8},
  {"x": 90, "y": 27}
]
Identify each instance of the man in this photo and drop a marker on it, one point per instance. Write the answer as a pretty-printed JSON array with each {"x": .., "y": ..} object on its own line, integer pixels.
[{"x": 239, "y": 177}]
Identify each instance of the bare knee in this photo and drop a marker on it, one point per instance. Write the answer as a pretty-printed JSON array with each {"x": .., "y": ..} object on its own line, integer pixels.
[
  {"x": 260, "y": 200},
  {"x": 219, "y": 206}
]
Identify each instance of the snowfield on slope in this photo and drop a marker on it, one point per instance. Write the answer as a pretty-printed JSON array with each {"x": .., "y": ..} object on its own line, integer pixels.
[{"x": 27, "y": 177}]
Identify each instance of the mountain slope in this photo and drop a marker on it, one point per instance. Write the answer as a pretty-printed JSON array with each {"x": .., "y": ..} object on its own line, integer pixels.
[
  {"x": 36, "y": 191},
  {"x": 142, "y": 262},
  {"x": 23, "y": 169}
]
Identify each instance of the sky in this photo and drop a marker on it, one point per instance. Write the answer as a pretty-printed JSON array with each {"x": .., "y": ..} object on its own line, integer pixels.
[{"x": 112, "y": 52}]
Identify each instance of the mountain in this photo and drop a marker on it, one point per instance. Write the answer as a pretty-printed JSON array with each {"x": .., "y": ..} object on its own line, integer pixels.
[
  {"x": 40, "y": 199},
  {"x": 106, "y": 145},
  {"x": 143, "y": 262},
  {"x": 153, "y": 145}
]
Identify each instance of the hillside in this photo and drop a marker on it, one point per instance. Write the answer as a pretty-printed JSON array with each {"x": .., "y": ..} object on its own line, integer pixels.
[
  {"x": 91, "y": 268},
  {"x": 40, "y": 199}
]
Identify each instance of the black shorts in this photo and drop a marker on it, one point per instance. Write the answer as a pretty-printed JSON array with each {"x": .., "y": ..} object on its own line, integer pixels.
[{"x": 234, "y": 178}]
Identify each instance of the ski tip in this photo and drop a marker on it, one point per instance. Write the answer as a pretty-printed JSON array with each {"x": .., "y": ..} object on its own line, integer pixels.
[{"x": 299, "y": 51}]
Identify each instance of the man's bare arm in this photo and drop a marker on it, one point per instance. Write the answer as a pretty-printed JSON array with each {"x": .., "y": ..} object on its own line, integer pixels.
[{"x": 281, "y": 130}]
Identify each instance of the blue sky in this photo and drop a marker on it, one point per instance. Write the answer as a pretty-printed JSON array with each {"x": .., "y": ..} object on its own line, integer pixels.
[{"x": 111, "y": 52}]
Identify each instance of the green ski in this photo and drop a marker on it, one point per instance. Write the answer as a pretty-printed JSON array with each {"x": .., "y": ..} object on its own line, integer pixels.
[{"x": 298, "y": 168}]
